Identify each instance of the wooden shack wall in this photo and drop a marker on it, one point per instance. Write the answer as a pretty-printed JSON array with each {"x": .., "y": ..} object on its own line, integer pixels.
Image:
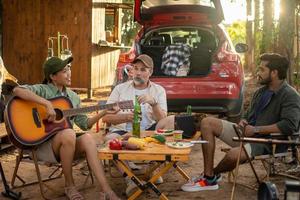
[
  {"x": 27, "y": 24},
  {"x": 104, "y": 59}
]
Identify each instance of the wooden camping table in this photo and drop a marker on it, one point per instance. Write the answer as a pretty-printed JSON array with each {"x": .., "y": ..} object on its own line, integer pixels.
[{"x": 165, "y": 156}]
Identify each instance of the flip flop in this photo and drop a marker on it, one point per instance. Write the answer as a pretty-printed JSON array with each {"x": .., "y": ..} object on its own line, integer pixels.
[
  {"x": 108, "y": 196},
  {"x": 72, "y": 193}
]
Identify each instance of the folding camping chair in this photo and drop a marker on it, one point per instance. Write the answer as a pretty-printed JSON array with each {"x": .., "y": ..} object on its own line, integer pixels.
[
  {"x": 267, "y": 160},
  {"x": 56, "y": 173}
]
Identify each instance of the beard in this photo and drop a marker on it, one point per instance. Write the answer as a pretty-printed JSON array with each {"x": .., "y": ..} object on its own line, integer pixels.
[
  {"x": 138, "y": 80},
  {"x": 265, "y": 81}
]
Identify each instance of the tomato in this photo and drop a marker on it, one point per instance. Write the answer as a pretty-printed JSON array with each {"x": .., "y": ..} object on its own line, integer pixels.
[{"x": 115, "y": 144}]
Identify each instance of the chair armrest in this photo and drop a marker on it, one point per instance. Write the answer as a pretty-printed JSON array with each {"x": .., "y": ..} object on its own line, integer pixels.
[
  {"x": 265, "y": 141},
  {"x": 278, "y": 135}
]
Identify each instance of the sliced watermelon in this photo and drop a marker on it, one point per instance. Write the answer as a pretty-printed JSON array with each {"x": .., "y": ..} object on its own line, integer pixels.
[{"x": 164, "y": 130}]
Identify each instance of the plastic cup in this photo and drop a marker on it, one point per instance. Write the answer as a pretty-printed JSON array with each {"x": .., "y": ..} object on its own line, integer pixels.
[{"x": 177, "y": 135}]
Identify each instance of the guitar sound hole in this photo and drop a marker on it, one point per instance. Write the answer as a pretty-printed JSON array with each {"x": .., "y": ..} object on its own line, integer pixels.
[{"x": 59, "y": 114}]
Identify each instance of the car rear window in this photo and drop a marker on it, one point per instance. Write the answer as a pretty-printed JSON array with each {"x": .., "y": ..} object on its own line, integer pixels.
[{"x": 155, "y": 3}]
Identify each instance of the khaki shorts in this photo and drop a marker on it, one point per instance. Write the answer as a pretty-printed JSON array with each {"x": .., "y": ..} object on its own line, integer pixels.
[
  {"x": 253, "y": 149},
  {"x": 45, "y": 152}
]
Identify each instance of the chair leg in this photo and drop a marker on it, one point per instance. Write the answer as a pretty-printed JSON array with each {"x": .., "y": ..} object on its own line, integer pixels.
[
  {"x": 52, "y": 174},
  {"x": 90, "y": 174},
  {"x": 236, "y": 171},
  {"x": 38, "y": 173},
  {"x": 15, "y": 174},
  {"x": 42, "y": 185},
  {"x": 235, "y": 174},
  {"x": 40, "y": 180},
  {"x": 230, "y": 177},
  {"x": 251, "y": 164}
]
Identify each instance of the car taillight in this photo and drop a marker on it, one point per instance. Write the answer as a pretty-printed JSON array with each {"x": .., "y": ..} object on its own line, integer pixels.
[
  {"x": 119, "y": 74},
  {"x": 127, "y": 57},
  {"x": 225, "y": 55},
  {"x": 124, "y": 59}
]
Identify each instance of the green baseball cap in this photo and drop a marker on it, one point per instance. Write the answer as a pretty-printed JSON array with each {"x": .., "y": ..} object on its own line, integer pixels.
[{"x": 55, "y": 64}]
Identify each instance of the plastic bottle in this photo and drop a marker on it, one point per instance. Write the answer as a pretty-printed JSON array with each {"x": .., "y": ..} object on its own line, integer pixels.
[{"x": 136, "y": 125}]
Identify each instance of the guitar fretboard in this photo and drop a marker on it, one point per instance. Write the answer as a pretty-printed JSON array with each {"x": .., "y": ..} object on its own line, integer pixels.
[{"x": 76, "y": 111}]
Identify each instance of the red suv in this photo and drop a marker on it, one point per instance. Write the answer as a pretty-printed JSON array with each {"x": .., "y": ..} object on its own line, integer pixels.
[{"x": 215, "y": 80}]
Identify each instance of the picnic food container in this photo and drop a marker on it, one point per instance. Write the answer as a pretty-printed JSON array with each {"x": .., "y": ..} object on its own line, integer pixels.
[{"x": 177, "y": 135}]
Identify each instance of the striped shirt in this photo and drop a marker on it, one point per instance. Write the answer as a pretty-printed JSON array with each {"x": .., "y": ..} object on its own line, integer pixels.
[{"x": 174, "y": 57}]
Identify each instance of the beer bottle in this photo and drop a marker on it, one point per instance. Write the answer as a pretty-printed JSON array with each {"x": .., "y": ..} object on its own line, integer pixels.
[
  {"x": 136, "y": 125},
  {"x": 189, "y": 110}
]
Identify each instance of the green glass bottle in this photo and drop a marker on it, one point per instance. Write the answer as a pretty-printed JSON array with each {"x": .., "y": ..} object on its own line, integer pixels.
[
  {"x": 189, "y": 110},
  {"x": 136, "y": 124}
]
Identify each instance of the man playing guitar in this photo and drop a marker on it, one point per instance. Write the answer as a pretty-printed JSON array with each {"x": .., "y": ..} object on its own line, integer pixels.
[{"x": 64, "y": 146}]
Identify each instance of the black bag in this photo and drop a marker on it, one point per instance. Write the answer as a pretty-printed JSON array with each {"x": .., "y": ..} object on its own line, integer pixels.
[
  {"x": 2, "y": 108},
  {"x": 187, "y": 124},
  {"x": 267, "y": 191}
]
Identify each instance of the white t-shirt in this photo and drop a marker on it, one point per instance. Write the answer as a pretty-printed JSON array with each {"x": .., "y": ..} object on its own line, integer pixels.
[{"x": 126, "y": 91}]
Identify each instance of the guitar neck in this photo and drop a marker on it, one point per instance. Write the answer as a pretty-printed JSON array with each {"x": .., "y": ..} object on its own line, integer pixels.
[{"x": 76, "y": 111}]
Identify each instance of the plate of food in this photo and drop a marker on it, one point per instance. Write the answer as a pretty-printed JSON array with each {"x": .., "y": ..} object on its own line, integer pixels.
[
  {"x": 179, "y": 145},
  {"x": 164, "y": 132}
]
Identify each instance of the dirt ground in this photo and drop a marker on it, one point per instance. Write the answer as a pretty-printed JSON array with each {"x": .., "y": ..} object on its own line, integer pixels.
[{"x": 172, "y": 180}]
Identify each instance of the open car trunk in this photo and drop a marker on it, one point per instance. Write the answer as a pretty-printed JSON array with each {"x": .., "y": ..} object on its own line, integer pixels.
[
  {"x": 201, "y": 42},
  {"x": 155, "y": 12}
]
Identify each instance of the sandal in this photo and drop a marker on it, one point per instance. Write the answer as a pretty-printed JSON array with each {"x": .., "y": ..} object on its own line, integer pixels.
[{"x": 72, "y": 193}]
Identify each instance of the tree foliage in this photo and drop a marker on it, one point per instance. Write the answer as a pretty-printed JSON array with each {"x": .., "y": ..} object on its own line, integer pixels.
[
  {"x": 237, "y": 32},
  {"x": 129, "y": 27}
]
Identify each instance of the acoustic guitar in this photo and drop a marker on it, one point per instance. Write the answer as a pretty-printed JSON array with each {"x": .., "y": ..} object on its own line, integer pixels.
[{"x": 27, "y": 125}]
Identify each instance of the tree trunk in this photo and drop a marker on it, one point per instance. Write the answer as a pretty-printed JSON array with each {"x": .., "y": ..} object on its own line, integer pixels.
[
  {"x": 287, "y": 34},
  {"x": 268, "y": 28},
  {"x": 249, "y": 57},
  {"x": 297, "y": 39},
  {"x": 257, "y": 38}
]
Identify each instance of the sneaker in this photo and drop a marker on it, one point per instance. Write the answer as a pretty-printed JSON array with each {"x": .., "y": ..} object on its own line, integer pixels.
[
  {"x": 133, "y": 166},
  {"x": 200, "y": 185},
  {"x": 160, "y": 180},
  {"x": 201, "y": 176}
]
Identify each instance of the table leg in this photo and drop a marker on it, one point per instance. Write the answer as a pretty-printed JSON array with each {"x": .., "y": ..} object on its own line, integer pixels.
[
  {"x": 151, "y": 169},
  {"x": 135, "y": 179},
  {"x": 181, "y": 171},
  {"x": 150, "y": 184},
  {"x": 161, "y": 172}
]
